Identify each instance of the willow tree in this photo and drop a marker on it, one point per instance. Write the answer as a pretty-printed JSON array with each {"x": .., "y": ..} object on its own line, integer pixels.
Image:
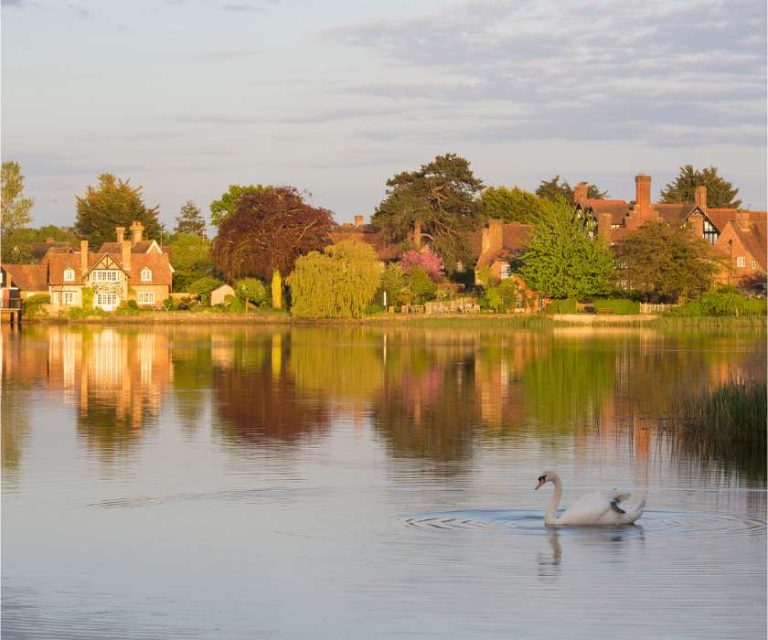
[
  {"x": 338, "y": 283},
  {"x": 267, "y": 233}
]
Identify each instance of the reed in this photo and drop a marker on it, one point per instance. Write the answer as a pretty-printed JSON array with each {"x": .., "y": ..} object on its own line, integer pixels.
[{"x": 726, "y": 425}]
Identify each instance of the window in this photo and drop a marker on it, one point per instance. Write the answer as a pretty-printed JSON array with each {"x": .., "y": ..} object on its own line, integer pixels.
[
  {"x": 710, "y": 233},
  {"x": 505, "y": 271},
  {"x": 754, "y": 264},
  {"x": 106, "y": 300},
  {"x": 55, "y": 297},
  {"x": 68, "y": 297},
  {"x": 741, "y": 262},
  {"x": 146, "y": 274},
  {"x": 69, "y": 274},
  {"x": 105, "y": 275},
  {"x": 146, "y": 297}
]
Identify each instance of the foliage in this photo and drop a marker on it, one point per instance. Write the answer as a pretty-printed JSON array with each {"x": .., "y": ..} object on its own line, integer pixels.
[
  {"x": 338, "y": 283},
  {"x": 501, "y": 297},
  {"x": 34, "y": 306},
  {"x": 202, "y": 287},
  {"x": 664, "y": 262},
  {"x": 569, "y": 305},
  {"x": 113, "y": 203},
  {"x": 564, "y": 258},
  {"x": 510, "y": 205},
  {"x": 720, "y": 192},
  {"x": 30, "y": 235},
  {"x": 190, "y": 220},
  {"x": 229, "y": 202},
  {"x": 430, "y": 262},
  {"x": 722, "y": 303},
  {"x": 392, "y": 283},
  {"x": 617, "y": 306},
  {"x": 15, "y": 212},
  {"x": 277, "y": 290},
  {"x": 419, "y": 287},
  {"x": 553, "y": 190},
  {"x": 252, "y": 290},
  {"x": 437, "y": 200},
  {"x": 190, "y": 255},
  {"x": 726, "y": 425},
  {"x": 269, "y": 230},
  {"x": 88, "y": 295}
]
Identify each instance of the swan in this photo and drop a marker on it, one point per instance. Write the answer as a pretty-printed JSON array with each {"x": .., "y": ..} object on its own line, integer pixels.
[{"x": 599, "y": 508}]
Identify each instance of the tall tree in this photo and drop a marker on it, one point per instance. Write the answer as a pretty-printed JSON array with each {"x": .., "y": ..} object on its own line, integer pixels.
[
  {"x": 436, "y": 201},
  {"x": 269, "y": 230},
  {"x": 16, "y": 212},
  {"x": 720, "y": 192},
  {"x": 554, "y": 189},
  {"x": 190, "y": 220},
  {"x": 114, "y": 203},
  {"x": 190, "y": 255},
  {"x": 510, "y": 205},
  {"x": 226, "y": 206},
  {"x": 564, "y": 258},
  {"x": 665, "y": 263}
]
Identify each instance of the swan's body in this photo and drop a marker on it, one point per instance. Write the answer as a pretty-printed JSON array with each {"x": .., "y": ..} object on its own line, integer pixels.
[{"x": 611, "y": 507}]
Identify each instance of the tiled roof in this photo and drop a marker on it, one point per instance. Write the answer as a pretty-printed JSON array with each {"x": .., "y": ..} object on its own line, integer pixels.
[
  {"x": 39, "y": 249},
  {"x": 115, "y": 247},
  {"x": 674, "y": 213},
  {"x": 368, "y": 234},
  {"x": 158, "y": 264},
  {"x": 57, "y": 264},
  {"x": 515, "y": 236},
  {"x": 28, "y": 277},
  {"x": 617, "y": 208},
  {"x": 753, "y": 236}
]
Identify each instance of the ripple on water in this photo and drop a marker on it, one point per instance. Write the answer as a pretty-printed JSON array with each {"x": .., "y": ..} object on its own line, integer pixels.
[{"x": 531, "y": 522}]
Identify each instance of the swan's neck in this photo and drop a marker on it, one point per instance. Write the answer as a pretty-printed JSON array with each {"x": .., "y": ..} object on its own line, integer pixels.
[{"x": 549, "y": 516}]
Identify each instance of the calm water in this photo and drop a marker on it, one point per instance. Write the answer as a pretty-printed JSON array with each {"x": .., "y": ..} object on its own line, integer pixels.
[{"x": 367, "y": 483}]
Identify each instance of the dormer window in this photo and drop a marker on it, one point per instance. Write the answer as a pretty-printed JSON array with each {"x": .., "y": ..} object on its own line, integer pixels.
[
  {"x": 146, "y": 274},
  {"x": 69, "y": 274}
]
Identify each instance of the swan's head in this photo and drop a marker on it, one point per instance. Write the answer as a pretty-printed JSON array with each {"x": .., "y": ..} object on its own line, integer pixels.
[{"x": 547, "y": 476}]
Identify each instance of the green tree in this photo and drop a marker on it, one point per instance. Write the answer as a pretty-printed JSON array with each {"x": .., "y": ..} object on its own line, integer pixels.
[
  {"x": 252, "y": 290},
  {"x": 202, "y": 287},
  {"x": 720, "y": 192},
  {"x": 114, "y": 203},
  {"x": 16, "y": 213},
  {"x": 190, "y": 220},
  {"x": 338, "y": 283},
  {"x": 554, "y": 189},
  {"x": 510, "y": 205},
  {"x": 665, "y": 263},
  {"x": 226, "y": 206},
  {"x": 190, "y": 255},
  {"x": 392, "y": 283},
  {"x": 564, "y": 258},
  {"x": 437, "y": 201}
]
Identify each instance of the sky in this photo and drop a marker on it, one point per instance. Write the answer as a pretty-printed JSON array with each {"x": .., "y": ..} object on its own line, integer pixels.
[{"x": 185, "y": 97}]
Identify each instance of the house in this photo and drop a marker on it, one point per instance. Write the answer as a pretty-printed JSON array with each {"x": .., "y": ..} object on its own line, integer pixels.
[
  {"x": 739, "y": 235},
  {"x": 500, "y": 243},
  {"x": 367, "y": 233},
  {"x": 129, "y": 269},
  {"x": 219, "y": 295}
]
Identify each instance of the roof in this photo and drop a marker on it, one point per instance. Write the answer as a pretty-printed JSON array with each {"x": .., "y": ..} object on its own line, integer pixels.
[
  {"x": 674, "y": 213},
  {"x": 162, "y": 273},
  {"x": 753, "y": 236},
  {"x": 370, "y": 235},
  {"x": 514, "y": 238},
  {"x": 115, "y": 247},
  {"x": 158, "y": 263},
  {"x": 617, "y": 208},
  {"x": 57, "y": 264},
  {"x": 39, "y": 249},
  {"x": 28, "y": 277}
]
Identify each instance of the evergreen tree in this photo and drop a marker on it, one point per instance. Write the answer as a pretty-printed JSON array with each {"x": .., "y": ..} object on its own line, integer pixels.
[
  {"x": 190, "y": 220},
  {"x": 564, "y": 258},
  {"x": 720, "y": 192},
  {"x": 114, "y": 203},
  {"x": 554, "y": 189}
]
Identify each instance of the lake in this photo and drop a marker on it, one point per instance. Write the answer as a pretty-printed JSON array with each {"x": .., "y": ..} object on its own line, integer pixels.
[{"x": 369, "y": 482}]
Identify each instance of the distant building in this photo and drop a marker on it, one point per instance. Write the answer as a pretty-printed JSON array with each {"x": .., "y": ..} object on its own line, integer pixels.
[{"x": 219, "y": 296}]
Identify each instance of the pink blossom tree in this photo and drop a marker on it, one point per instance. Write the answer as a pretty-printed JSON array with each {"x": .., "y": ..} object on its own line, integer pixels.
[{"x": 430, "y": 262}]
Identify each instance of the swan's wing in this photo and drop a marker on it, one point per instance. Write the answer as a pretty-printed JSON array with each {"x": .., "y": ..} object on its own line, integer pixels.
[{"x": 601, "y": 507}]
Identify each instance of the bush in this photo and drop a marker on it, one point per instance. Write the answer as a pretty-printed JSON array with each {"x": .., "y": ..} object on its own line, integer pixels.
[
  {"x": 252, "y": 290},
  {"x": 392, "y": 283},
  {"x": 202, "y": 287},
  {"x": 34, "y": 306},
  {"x": 619, "y": 306},
  {"x": 569, "y": 305},
  {"x": 722, "y": 303},
  {"x": 420, "y": 285}
]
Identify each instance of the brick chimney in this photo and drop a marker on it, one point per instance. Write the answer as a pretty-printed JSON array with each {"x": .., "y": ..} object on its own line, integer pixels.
[
  {"x": 359, "y": 221},
  {"x": 493, "y": 235},
  {"x": 604, "y": 223},
  {"x": 83, "y": 257},
  {"x": 643, "y": 194},
  {"x": 700, "y": 197},
  {"x": 120, "y": 233},
  {"x": 137, "y": 231},
  {"x": 580, "y": 194},
  {"x": 697, "y": 225},
  {"x": 125, "y": 255}
]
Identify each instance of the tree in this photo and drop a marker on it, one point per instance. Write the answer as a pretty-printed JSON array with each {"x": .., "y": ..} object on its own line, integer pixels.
[
  {"x": 114, "y": 203},
  {"x": 338, "y": 283},
  {"x": 666, "y": 263},
  {"x": 564, "y": 258},
  {"x": 554, "y": 189},
  {"x": 226, "y": 206},
  {"x": 190, "y": 255},
  {"x": 510, "y": 205},
  {"x": 431, "y": 263},
  {"x": 720, "y": 192},
  {"x": 204, "y": 286},
  {"x": 190, "y": 220},
  {"x": 15, "y": 212},
  {"x": 437, "y": 201},
  {"x": 251, "y": 290},
  {"x": 269, "y": 231}
]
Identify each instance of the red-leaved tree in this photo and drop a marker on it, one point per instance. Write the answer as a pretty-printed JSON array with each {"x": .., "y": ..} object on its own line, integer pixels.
[{"x": 267, "y": 232}]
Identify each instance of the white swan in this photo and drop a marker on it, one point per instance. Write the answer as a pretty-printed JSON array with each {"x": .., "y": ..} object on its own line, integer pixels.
[{"x": 599, "y": 508}]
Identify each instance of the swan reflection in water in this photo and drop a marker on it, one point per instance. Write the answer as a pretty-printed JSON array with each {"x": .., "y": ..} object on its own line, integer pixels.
[{"x": 593, "y": 545}]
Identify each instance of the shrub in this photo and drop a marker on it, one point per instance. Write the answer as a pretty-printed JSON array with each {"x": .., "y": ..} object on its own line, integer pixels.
[
  {"x": 619, "y": 306},
  {"x": 569, "y": 305},
  {"x": 722, "y": 303},
  {"x": 34, "y": 306},
  {"x": 421, "y": 286},
  {"x": 252, "y": 290},
  {"x": 202, "y": 287},
  {"x": 392, "y": 283}
]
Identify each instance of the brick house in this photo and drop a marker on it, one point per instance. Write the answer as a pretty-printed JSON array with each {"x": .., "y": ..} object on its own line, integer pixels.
[{"x": 128, "y": 269}]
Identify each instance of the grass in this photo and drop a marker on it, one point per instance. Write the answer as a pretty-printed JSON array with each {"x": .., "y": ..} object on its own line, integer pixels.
[{"x": 726, "y": 425}]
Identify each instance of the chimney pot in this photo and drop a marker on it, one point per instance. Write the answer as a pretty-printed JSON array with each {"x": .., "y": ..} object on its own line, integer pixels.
[
  {"x": 137, "y": 231},
  {"x": 359, "y": 221},
  {"x": 120, "y": 234}
]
